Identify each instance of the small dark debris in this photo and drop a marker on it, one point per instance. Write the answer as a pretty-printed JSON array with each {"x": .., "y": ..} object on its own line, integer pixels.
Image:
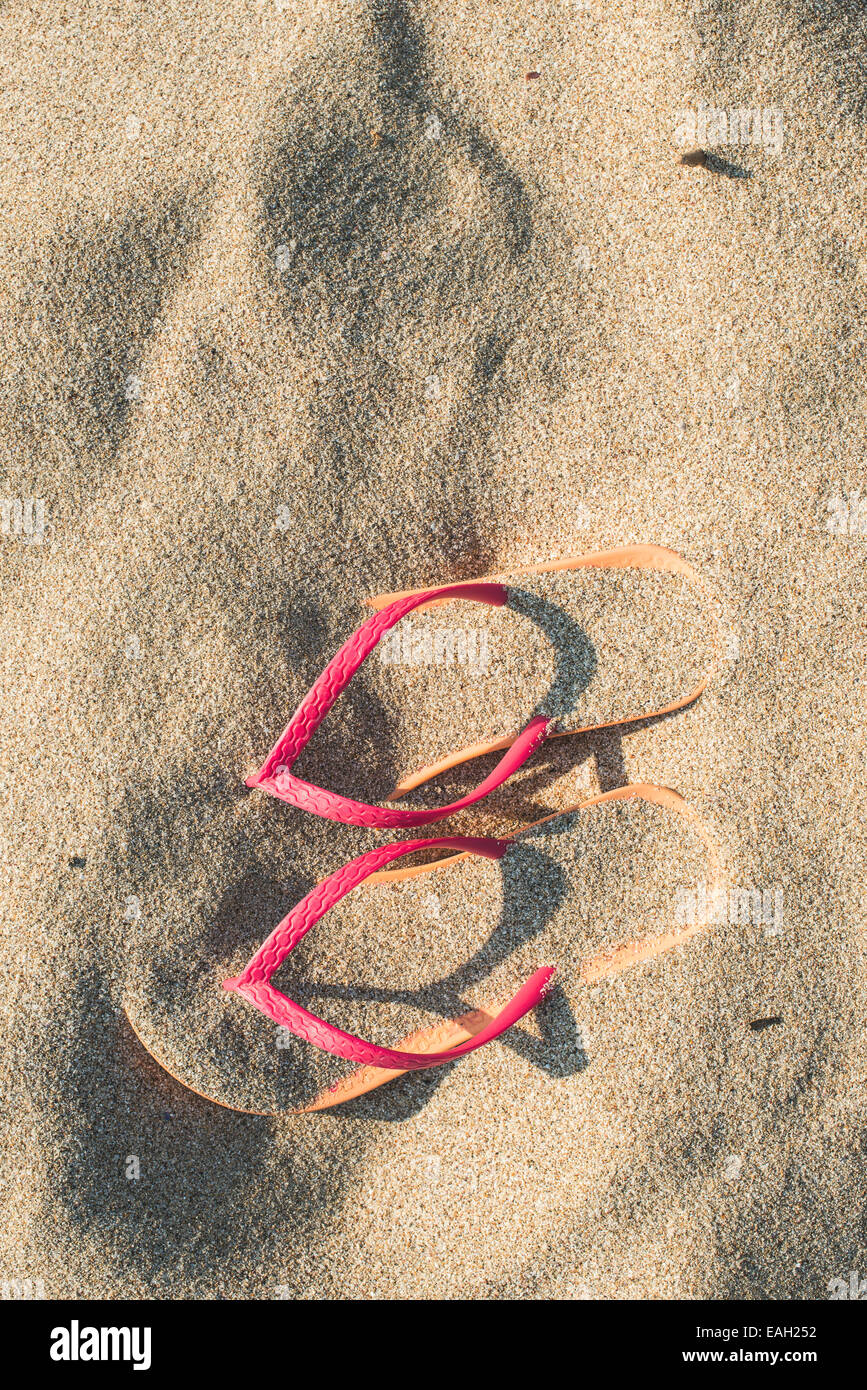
[
  {"x": 76, "y": 862},
  {"x": 694, "y": 159},
  {"x": 759, "y": 1023},
  {"x": 531, "y": 75},
  {"x": 167, "y": 1115}
]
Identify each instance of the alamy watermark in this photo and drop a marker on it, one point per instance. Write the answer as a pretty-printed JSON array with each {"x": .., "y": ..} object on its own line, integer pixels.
[
  {"x": 23, "y": 519},
  {"x": 77, "y": 1343},
  {"x": 710, "y": 126},
  {"x": 761, "y": 907},
  {"x": 851, "y": 1287},
  {"x": 133, "y": 389},
  {"x": 847, "y": 513},
  {"x": 26, "y": 1289},
  {"x": 285, "y": 254},
  {"x": 440, "y": 646}
]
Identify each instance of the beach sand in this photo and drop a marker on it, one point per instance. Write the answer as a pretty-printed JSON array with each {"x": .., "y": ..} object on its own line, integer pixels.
[{"x": 308, "y": 303}]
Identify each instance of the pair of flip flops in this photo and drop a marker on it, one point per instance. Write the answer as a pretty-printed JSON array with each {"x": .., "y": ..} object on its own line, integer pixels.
[{"x": 455, "y": 1038}]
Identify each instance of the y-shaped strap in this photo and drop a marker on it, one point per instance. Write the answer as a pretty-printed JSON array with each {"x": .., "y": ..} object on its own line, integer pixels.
[
  {"x": 275, "y": 775},
  {"x": 254, "y": 982}
]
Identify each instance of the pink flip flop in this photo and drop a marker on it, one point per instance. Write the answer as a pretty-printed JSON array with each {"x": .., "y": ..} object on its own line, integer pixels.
[
  {"x": 449, "y": 1039},
  {"x": 276, "y": 776},
  {"x": 254, "y": 982}
]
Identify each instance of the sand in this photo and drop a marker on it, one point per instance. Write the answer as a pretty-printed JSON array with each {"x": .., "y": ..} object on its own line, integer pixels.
[{"x": 305, "y": 303}]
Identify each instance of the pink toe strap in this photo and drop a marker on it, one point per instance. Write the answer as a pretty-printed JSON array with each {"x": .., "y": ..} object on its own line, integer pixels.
[
  {"x": 276, "y": 776},
  {"x": 254, "y": 981}
]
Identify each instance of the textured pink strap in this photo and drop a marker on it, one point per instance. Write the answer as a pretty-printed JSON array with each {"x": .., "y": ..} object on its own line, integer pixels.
[
  {"x": 275, "y": 775},
  {"x": 254, "y": 981}
]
